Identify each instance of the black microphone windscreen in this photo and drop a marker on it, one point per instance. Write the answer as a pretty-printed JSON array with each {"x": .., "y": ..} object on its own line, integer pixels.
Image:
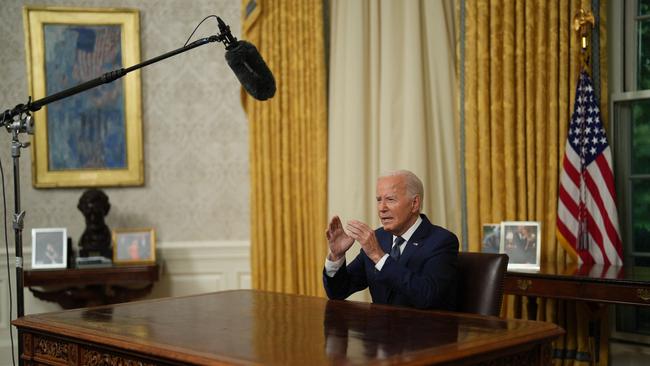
[{"x": 251, "y": 70}]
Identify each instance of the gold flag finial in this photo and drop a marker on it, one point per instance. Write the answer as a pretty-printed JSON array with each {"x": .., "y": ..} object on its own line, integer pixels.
[{"x": 581, "y": 21}]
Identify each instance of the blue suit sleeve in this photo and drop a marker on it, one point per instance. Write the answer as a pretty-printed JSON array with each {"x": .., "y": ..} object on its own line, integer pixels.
[{"x": 347, "y": 280}]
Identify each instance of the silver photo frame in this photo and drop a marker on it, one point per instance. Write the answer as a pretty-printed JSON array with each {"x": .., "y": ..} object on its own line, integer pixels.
[
  {"x": 521, "y": 241},
  {"x": 49, "y": 248}
]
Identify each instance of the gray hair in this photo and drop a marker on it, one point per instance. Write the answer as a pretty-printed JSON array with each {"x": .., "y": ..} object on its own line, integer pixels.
[{"x": 414, "y": 185}]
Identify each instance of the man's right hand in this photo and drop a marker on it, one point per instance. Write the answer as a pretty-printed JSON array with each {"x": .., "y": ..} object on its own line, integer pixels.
[{"x": 339, "y": 242}]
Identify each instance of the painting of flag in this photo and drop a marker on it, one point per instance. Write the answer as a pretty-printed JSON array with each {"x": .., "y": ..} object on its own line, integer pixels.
[
  {"x": 87, "y": 130},
  {"x": 89, "y": 138}
]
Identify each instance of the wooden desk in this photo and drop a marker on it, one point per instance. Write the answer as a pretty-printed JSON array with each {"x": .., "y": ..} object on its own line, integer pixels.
[
  {"x": 76, "y": 288},
  {"x": 612, "y": 284},
  {"x": 255, "y": 327}
]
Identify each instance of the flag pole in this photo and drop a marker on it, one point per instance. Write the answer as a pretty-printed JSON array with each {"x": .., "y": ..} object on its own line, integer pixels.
[{"x": 583, "y": 23}]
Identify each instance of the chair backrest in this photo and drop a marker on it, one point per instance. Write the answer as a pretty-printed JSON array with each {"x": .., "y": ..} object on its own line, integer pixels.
[{"x": 480, "y": 282}]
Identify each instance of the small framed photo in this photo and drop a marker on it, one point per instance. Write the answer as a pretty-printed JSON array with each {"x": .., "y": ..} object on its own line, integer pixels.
[
  {"x": 49, "y": 248},
  {"x": 521, "y": 241},
  {"x": 134, "y": 246},
  {"x": 491, "y": 240}
]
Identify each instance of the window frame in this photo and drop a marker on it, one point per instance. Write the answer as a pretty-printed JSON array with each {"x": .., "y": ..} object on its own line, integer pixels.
[{"x": 623, "y": 71}]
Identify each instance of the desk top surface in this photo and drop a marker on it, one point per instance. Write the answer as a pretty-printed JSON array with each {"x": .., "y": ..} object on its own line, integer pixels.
[
  {"x": 246, "y": 326},
  {"x": 591, "y": 273}
]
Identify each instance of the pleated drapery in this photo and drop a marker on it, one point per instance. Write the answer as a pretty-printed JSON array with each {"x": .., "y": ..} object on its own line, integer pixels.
[
  {"x": 520, "y": 68},
  {"x": 288, "y": 147},
  {"x": 392, "y": 106}
]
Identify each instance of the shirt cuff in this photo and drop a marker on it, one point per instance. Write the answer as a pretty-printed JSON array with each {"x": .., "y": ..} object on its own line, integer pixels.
[
  {"x": 331, "y": 267},
  {"x": 381, "y": 262}
]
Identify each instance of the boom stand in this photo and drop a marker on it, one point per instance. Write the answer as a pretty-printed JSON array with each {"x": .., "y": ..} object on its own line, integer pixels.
[{"x": 20, "y": 124}]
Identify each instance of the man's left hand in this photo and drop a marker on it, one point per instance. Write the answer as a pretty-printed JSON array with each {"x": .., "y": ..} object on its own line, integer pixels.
[{"x": 365, "y": 235}]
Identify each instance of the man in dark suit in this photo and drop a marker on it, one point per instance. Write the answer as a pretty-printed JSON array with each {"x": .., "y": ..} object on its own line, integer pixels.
[{"x": 420, "y": 270}]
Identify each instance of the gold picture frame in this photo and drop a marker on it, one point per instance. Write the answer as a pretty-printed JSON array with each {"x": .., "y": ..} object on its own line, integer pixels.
[
  {"x": 93, "y": 138},
  {"x": 134, "y": 246}
]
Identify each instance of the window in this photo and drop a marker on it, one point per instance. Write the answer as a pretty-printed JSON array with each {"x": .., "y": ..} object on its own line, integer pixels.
[{"x": 630, "y": 136}]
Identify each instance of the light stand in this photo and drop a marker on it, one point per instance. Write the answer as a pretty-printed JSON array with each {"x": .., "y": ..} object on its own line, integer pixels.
[{"x": 18, "y": 120}]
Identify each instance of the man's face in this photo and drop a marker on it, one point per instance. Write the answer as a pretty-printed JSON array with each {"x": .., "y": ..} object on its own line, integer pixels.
[{"x": 397, "y": 211}]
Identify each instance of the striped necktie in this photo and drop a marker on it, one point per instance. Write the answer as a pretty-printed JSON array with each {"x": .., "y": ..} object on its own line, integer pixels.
[{"x": 394, "y": 251}]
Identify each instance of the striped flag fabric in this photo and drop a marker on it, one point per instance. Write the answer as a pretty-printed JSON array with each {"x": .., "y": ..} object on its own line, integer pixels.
[{"x": 587, "y": 221}]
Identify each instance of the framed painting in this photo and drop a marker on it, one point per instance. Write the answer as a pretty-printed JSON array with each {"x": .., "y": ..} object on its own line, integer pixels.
[
  {"x": 93, "y": 138},
  {"x": 134, "y": 246}
]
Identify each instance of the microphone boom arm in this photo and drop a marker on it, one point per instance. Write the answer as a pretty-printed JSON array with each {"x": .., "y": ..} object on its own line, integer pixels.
[{"x": 106, "y": 78}]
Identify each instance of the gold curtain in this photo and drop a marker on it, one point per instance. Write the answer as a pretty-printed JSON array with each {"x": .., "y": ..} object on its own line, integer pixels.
[
  {"x": 288, "y": 147},
  {"x": 521, "y": 64}
]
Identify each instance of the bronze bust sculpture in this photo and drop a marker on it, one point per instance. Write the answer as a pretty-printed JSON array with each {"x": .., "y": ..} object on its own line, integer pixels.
[{"x": 96, "y": 238}]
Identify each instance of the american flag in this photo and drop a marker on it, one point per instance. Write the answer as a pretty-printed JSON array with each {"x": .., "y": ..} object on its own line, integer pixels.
[{"x": 587, "y": 222}]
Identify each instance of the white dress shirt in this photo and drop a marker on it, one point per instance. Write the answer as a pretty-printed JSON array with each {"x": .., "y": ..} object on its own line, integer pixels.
[{"x": 331, "y": 267}]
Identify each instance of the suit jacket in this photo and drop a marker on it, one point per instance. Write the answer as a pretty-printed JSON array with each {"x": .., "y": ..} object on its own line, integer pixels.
[{"x": 424, "y": 277}]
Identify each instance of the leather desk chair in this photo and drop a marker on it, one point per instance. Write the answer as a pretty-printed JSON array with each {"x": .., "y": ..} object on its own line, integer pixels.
[{"x": 480, "y": 282}]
